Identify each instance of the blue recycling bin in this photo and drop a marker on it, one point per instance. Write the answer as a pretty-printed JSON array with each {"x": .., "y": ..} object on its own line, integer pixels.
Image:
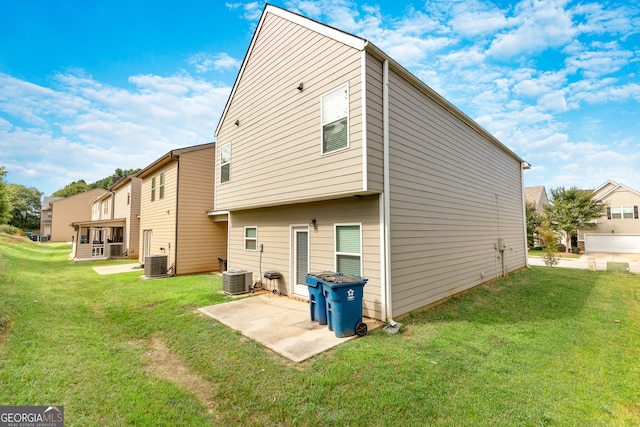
[
  {"x": 343, "y": 295},
  {"x": 317, "y": 302}
]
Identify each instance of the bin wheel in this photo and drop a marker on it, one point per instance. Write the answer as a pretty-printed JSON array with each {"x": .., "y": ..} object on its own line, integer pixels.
[{"x": 361, "y": 329}]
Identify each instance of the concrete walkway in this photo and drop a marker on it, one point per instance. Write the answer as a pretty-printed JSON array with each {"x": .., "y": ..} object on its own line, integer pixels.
[{"x": 600, "y": 260}]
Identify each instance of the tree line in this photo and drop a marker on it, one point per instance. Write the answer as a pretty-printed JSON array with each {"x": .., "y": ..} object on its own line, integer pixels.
[{"x": 20, "y": 206}]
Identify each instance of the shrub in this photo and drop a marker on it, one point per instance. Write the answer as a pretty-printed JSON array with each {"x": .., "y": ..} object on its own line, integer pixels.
[
  {"x": 9, "y": 229},
  {"x": 575, "y": 250}
]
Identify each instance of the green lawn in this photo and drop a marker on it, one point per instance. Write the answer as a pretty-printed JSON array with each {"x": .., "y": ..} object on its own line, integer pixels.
[
  {"x": 539, "y": 253},
  {"x": 542, "y": 347}
]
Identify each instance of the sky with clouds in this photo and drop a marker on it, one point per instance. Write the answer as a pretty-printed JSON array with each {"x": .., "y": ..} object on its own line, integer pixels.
[{"x": 87, "y": 88}]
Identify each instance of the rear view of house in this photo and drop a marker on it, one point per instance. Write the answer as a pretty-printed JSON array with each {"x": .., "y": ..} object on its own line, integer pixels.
[
  {"x": 332, "y": 156},
  {"x": 177, "y": 192},
  {"x": 67, "y": 210},
  {"x": 46, "y": 215},
  {"x": 113, "y": 230}
]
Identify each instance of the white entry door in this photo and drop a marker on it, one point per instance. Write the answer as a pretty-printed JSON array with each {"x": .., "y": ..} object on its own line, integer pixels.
[{"x": 300, "y": 259}]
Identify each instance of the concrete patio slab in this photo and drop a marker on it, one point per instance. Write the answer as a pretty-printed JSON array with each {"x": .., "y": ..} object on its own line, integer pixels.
[
  {"x": 117, "y": 268},
  {"x": 281, "y": 324}
]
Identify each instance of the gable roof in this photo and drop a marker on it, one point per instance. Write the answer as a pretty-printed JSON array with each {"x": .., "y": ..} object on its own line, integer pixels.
[
  {"x": 170, "y": 156},
  {"x": 614, "y": 187},
  {"x": 95, "y": 192},
  {"x": 361, "y": 44},
  {"x": 534, "y": 194},
  {"x": 48, "y": 200}
]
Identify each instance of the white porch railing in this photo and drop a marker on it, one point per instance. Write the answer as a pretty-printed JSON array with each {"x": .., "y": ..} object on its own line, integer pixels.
[{"x": 97, "y": 250}]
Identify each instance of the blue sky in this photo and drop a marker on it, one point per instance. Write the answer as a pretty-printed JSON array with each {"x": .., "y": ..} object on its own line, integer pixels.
[{"x": 86, "y": 88}]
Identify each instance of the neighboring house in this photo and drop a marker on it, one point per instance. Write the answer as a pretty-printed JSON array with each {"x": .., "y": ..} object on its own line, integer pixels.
[
  {"x": 177, "y": 193},
  {"x": 45, "y": 215},
  {"x": 538, "y": 196},
  {"x": 332, "y": 156},
  {"x": 66, "y": 211},
  {"x": 619, "y": 229},
  {"x": 113, "y": 230}
]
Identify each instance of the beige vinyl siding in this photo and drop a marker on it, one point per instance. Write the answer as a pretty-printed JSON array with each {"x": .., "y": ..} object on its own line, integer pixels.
[
  {"x": 453, "y": 194},
  {"x": 619, "y": 197},
  {"x": 129, "y": 212},
  {"x": 160, "y": 215},
  {"x": 71, "y": 209},
  {"x": 274, "y": 233},
  {"x": 375, "y": 173},
  {"x": 200, "y": 240},
  {"x": 604, "y": 190},
  {"x": 276, "y": 148}
]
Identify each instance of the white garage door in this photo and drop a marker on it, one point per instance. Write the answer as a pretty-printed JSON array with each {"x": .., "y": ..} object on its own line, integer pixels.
[{"x": 618, "y": 243}]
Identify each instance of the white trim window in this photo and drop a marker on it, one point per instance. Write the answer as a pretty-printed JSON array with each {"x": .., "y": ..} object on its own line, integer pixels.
[
  {"x": 622, "y": 212},
  {"x": 225, "y": 162},
  {"x": 335, "y": 119},
  {"x": 251, "y": 238},
  {"x": 348, "y": 248},
  {"x": 162, "y": 185}
]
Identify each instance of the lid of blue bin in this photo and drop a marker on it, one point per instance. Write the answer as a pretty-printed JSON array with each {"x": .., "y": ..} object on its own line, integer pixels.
[
  {"x": 348, "y": 279},
  {"x": 327, "y": 276}
]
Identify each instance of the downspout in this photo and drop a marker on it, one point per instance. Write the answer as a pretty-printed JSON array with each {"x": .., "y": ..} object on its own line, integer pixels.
[
  {"x": 523, "y": 167},
  {"x": 175, "y": 246},
  {"x": 392, "y": 326},
  {"x": 113, "y": 204}
]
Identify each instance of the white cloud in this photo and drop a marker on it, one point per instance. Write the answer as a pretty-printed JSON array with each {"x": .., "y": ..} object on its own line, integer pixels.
[
  {"x": 251, "y": 10},
  {"x": 475, "y": 18},
  {"x": 536, "y": 25},
  {"x": 598, "y": 59},
  {"x": 84, "y": 129},
  {"x": 204, "y": 62},
  {"x": 597, "y": 20}
]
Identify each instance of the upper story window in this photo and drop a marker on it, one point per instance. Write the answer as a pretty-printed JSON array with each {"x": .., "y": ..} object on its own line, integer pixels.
[
  {"x": 105, "y": 209},
  {"x": 335, "y": 119},
  {"x": 225, "y": 162},
  {"x": 155, "y": 180},
  {"x": 128, "y": 194},
  {"x": 622, "y": 212},
  {"x": 348, "y": 249},
  {"x": 162, "y": 185}
]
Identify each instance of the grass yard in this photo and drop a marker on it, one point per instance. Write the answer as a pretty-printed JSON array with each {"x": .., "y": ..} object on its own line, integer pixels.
[
  {"x": 539, "y": 253},
  {"x": 546, "y": 346}
]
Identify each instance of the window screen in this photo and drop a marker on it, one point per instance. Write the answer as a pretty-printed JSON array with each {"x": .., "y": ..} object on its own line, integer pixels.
[
  {"x": 335, "y": 125},
  {"x": 225, "y": 162},
  {"x": 348, "y": 249}
]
